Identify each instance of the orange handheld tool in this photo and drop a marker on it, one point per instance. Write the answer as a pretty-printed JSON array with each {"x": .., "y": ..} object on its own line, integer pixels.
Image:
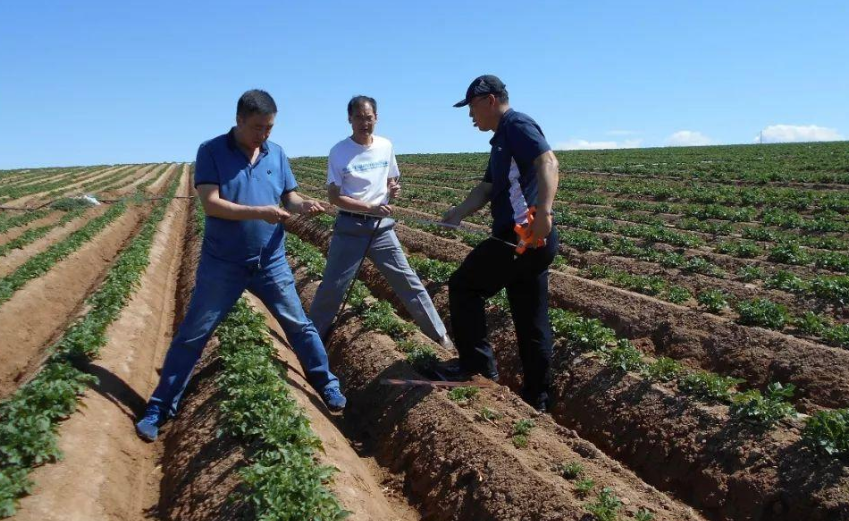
[{"x": 524, "y": 232}]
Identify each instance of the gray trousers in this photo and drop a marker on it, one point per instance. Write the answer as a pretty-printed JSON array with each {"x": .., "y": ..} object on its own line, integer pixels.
[{"x": 350, "y": 237}]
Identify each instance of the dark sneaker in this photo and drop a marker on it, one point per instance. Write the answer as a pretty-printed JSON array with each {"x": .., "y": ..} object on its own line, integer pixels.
[
  {"x": 148, "y": 427},
  {"x": 334, "y": 399}
]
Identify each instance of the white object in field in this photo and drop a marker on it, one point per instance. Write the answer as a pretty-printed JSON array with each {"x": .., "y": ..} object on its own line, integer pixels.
[{"x": 90, "y": 199}]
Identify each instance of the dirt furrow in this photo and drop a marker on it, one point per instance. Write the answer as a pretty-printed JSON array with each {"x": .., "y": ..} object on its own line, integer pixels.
[
  {"x": 99, "y": 442},
  {"x": 30, "y": 200},
  {"x": 16, "y": 232},
  {"x": 758, "y": 355},
  {"x": 457, "y": 467},
  {"x": 725, "y": 468},
  {"x": 17, "y": 257},
  {"x": 41, "y": 310},
  {"x": 361, "y": 486}
]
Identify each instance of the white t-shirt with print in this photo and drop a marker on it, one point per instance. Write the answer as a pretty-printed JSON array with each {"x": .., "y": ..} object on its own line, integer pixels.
[{"x": 361, "y": 171}]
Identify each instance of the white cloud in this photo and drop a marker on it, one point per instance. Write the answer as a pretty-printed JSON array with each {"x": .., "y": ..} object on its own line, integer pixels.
[
  {"x": 688, "y": 138},
  {"x": 797, "y": 133},
  {"x": 583, "y": 144}
]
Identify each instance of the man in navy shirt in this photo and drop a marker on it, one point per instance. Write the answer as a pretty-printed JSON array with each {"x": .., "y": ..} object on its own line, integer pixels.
[
  {"x": 522, "y": 172},
  {"x": 241, "y": 178}
]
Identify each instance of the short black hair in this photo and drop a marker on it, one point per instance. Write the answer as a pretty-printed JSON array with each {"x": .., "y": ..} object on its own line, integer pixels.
[
  {"x": 256, "y": 101},
  {"x": 357, "y": 101},
  {"x": 502, "y": 96}
]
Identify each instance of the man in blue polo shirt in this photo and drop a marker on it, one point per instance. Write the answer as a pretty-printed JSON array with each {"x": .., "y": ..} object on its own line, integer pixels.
[
  {"x": 241, "y": 178},
  {"x": 522, "y": 172}
]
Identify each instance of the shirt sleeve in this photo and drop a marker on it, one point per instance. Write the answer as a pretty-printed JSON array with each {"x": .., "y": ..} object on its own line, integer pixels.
[
  {"x": 334, "y": 177},
  {"x": 206, "y": 172},
  {"x": 289, "y": 183},
  {"x": 393, "y": 166},
  {"x": 526, "y": 141},
  {"x": 487, "y": 176}
]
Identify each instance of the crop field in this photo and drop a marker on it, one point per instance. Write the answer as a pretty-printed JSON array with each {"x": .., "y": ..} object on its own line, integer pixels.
[{"x": 701, "y": 362}]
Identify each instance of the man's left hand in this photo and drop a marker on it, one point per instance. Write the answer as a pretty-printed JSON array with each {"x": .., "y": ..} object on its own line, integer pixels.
[
  {"x": 311, "y": 208},
  {"x": 540, "y": 228},
  {"x": 394, "y": 188}
]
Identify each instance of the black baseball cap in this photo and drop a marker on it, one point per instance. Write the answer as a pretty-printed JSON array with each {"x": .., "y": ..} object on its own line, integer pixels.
[{"x": 486, "y": 84}]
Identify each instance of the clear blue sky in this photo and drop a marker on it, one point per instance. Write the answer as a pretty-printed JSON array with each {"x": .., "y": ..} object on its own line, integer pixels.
[{"x": 96, "y": 82}]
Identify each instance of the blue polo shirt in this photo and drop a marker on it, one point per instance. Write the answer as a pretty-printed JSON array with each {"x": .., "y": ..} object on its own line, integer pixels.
[
  {"x": 517, "y": 142},
  {"x": 221, "y": 162}
]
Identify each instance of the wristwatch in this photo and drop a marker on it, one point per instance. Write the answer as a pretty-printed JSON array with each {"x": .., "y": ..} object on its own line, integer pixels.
[{"x": 546, "y": 212}]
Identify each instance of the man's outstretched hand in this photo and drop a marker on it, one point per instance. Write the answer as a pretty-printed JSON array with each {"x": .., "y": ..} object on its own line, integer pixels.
[
  {"x": 273, "y": 214},
  {"x": 312, "y": 208}
]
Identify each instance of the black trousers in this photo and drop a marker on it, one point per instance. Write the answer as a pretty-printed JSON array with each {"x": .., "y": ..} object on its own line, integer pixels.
[{"x": 491, "y": 266}]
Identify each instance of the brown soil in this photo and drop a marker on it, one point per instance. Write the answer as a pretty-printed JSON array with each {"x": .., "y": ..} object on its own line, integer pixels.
[
  {"x": 121, "y": 472},
  {"x": 362, "y": 487},
  {"x": 16, "y": 232},
  {"x": 727, "y": 469},
  {"x": 39, "y": 312},
  {"x": 695, "y": 282},
  {"x": 201, "y": 468},
  {"x": 159, "y": 185},
  {"x": 80, "y": 175},
  {"x": 457, "y": 467},
  {"x": 726, "y": 262},
  {"x": 15, "y": 258},
  {"x": 55, "y": 176},
  {"x": 129, "y": 184},
  {"x": 36, "y": 198},
  {"x": 760, "y": 356}
]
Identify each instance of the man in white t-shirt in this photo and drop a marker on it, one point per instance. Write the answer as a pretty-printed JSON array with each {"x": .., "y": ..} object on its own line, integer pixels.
[{"x": 362, "y": 175}]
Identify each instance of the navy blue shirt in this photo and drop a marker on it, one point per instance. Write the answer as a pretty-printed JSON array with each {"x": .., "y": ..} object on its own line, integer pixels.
[
  {"x": 517, "y": 142},
  {"x": 221, "y": 162}
]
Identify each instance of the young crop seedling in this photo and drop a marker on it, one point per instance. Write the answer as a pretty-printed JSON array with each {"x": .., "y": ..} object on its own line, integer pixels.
[
  {"x": 432, "y": 270},
  {"x": 676, "y": 294},
  {"x": 523, "y": 426},
  {"x": 713, "y": 300},
  {"x": 623, "y": 357},
  {"x": 764, "y": 410},
  {"x": 422, "y": 357},
  {"x": 708, "y": 386},
  {"x": 521, "y": 432},
  {"x": 751, "y": 273},
  {"x": 584, "y": 486},
  {"x": 597, "y": 271},
  {"x": 570, "y": 471},
  {"x": 606, "y": 506},
  {"x": 380, "y": 317},
  {"x": 812, "y": 323},
  {"x": 520, "y": 441},
  {"x": 789, "y": 253},
  {"x": 463, "y": 394},
  {"x": 664, "y": 369},
  {"x": 837, "y": 335},
  {"x": 786, "y": 281},
  {"x": 828, "y": 431},
  {"x": 643, "y": 515},
  {"x": 487, "y": 414},
  {"x": 762, "y": 312}
]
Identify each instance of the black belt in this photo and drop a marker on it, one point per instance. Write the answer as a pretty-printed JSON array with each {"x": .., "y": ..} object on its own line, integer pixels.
[{"x": 359, "y": 216}]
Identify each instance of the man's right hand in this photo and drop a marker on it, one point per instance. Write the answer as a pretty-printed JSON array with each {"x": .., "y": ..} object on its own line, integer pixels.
[
  {"x": 383, "y": 210},
  {"x": 452, "y": 216},
  {"x": 273, "y": 214}
]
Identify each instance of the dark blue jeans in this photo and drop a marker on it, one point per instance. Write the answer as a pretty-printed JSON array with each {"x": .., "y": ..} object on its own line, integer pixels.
[
  {"x": 491, "y": 266},
  {"x": 218, "y": 286}
]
